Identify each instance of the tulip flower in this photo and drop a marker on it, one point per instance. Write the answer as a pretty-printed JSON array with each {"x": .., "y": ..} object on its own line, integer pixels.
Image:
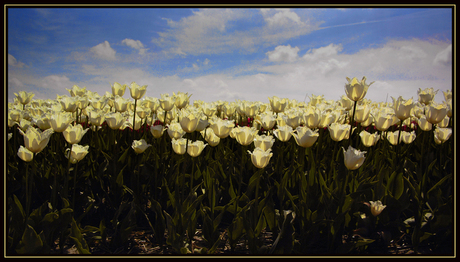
[
  {"x": 278, "y": 105},
  {"x": 260, "y": 158},
  {"x": 383, "y": 120},
  {"x": 96, "y": 117},
  {"x": 43, "y": 122},
  {"x": 77, "y": 153},
  {"x": 181, "y": 99},
  {"x": 326, "y": 119},
  {"x": 137, "y": 122},
  {"x": 251, "y": 109},
  {"x": 311, "y": 117},
  {"x": 157, "y": 130},
  {"x": 24, "y": 124},
  {"x": 353, "y": 158},
  {"x": 426, "y": 96},
  {"x": 121, "y": 104},
  {"x": 59, "y": 121},
  {"x": 339, "y": 132},
  {"x": 77, "y": 91},
  {"x": 222, "y": 127},
  {"x": 316, "y": 100},
  {"x": 369, "y": 139},
  {"x": 441, "y": 135},
  {"x": 194, "y": 149},
  {"x": 25, "y": 154},
  {"x": 435, "y": 113},
  {"x": 362, "y": 113},
  {"x": 305, "y": 137},
  {"x": 346, "y": 103},
  {"x": 24, "y": 97},
  {"x": 424, "y": 124},
  {"x": 98, "y": 102},
  {"x": 137, "y": 92},
  {"x": 115, "y": 120},
  {"x": 283, "y": 133},
  {"x": 189, "y": 120},
  {"x": 74, "y": 133},
  {"x": 408, "y": 137},
  {"x": 209, "y": 109},
  {"x": 392, "y": 137},
  {"x": 403, "y": 108},
  {"x": 266, "y": 120},
  {"x": 292, "y": 118},
  {"x": 229, "y": 109},
  {"x": 202, "y": 124},
  {"x": 264, "y": 142},
  {"x": 245, "y": 135},
  {"x": 376, "y": 207},
  {"x": 167, "y": 102},
  {"x": 140, "y": 146},
  {"x": 356, "y": 90},
  {"x": 179, "y": 145},
  {"x": 35, "y": 140},
  {"x": 69, "y": 104},
  {"x": 175, "y": 130},
  {"x": 210, "y": 137},
  {"x": 118, "y": 90}
]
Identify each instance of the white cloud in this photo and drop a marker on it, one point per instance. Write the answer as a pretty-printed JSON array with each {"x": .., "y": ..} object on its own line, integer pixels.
[
  {"x": 324, "y": 51},
  {"x": 215, "y": 31},
  {"x": 444, "y": 57},
  {"x": 283, "y": 53},
  {"x": 281, "y": 17},
  {"x": 136, "y": 44},
  {"x": 12, "y": 61},
  {"x": 103, "y": 51}
]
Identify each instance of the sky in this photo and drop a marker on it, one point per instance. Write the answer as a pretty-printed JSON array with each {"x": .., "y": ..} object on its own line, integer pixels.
[{"x": 230, "y": 54}]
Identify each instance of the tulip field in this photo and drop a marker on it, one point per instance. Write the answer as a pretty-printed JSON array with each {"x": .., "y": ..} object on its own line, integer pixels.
[{"x": 276, "y": 177}]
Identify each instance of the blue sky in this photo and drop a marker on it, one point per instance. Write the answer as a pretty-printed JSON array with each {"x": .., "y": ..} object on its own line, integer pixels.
[{"x": 230, "y": 53}]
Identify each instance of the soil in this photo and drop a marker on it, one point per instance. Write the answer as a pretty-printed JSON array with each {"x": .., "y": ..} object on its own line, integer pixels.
[{"x": 142, "y": 243}]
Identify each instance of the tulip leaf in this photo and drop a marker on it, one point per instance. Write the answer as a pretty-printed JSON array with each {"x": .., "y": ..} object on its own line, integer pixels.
[
  {"x": 31, "y": 243},
  {"x": 77, "y": 237}
]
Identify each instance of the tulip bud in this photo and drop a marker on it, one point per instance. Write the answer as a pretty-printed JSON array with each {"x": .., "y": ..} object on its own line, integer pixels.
[
  {"x": 260, "y": 158},
  {"x": 25, "y": 154},
  {"x": 353, "y": 158}
]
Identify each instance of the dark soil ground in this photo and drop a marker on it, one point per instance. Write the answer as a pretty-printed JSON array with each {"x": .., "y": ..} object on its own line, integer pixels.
[{"x": 142, "y": 244}]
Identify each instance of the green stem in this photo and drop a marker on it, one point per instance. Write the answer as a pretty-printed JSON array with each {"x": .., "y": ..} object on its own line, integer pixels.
[
  {"x": 351, "y": 124},
  {"x": 27, "y": 190},
  {"x": 134, "y": 118},
  {"x": 74, "y": 185}
]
